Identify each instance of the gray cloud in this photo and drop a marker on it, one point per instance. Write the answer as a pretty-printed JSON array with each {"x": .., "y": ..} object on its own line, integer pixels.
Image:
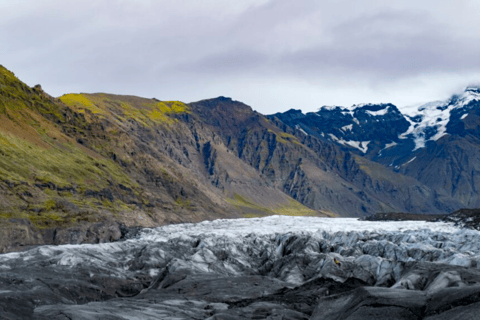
[
  {"x": 273, "y": 54},
  {"x": 399, "y": 44}
]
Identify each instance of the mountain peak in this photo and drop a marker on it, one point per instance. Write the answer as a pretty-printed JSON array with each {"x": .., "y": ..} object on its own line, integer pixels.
[
  {"x": 7, "y": 76},
  {"x": 330, "y": 108},
  {"x": 473, "y": 89},
  {"x": 223, "y": 98},
  {"x": 293, "y": 111},
  {"x": 372, "y": 106},
  {"x": 367, "y": 105}
]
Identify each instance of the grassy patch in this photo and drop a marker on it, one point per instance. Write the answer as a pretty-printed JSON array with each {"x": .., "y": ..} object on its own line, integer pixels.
[
  {"x": 80, "y": 103},
  {"x": 65, "y": 165},
  {"x": 44, "y": 173},
  {"x": 293, "y": 208},
  {"x": 47, "y": 219},
  {"x": 183, "y": 203},
  {"x": 285, "y": 138},
  {"x": 146, "y": 112},
  {"x": 239, "y": 202},
  {"x": 16, "y": 96}
]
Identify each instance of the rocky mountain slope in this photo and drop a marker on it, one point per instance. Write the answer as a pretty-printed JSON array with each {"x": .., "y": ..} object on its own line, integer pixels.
[
  {"x": 436, "y": 143},
  {"x": 76, "y": 169},
  {"x": 313, "y": 171},
  {"x": 81, "y": 167}
]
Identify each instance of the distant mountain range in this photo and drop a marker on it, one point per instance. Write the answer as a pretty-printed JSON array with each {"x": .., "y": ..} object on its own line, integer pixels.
[
  {"x": 436, "y": 143},
  {"x": 83, "y": 167}
]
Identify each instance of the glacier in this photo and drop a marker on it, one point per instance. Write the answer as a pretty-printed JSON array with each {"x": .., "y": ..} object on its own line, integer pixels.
[{"x": 276, "y": 267}]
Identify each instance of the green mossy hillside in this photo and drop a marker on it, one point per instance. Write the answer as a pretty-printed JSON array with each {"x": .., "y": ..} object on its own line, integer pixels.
[
  {"x": 292, "y": 208},
  {"x": 64, "y": 165},
  {"x": 16, "y": 96},
  {"x": 147, "y": 112},
  {"x": 88, "y": 158},
  {"x": 53, "y": 186},
  {"x": 46, "y": 176}
]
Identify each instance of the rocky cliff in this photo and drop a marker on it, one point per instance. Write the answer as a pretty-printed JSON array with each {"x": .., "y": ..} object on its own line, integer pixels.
[
  {"x": 314, "y": 171},
  {"x": 83, "y": 167}
]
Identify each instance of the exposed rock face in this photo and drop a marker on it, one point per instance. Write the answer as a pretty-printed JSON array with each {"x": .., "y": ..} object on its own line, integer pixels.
[
  {"x": 465, "y": 218},
  {"x": 364, "y": 123},
  {"x": 436, "y": 143},
  {"x": 312, "y": 170},
  {"x": 73, "y": 169},
  {"x": 295, "y": 268}
]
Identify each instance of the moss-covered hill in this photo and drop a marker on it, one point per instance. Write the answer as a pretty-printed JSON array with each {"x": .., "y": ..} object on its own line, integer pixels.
[{"x": 76, "y": 168}]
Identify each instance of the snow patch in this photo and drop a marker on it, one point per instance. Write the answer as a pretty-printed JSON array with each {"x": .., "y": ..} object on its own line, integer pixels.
[
  {"x": 333, "y": 137},
  {"x": 389, "y": 145},
  {"x": 360, "y": 145},
  {"x": 345, "y": 128},
  {"x": 300, "y": 129},
  {"x": 378, "y": 113},
  {"x": 410, "y": 160},
  {"x": 464, "y": 116},
  {"x": 435, "y": 114},
  {"x": 329, "y": 108}
]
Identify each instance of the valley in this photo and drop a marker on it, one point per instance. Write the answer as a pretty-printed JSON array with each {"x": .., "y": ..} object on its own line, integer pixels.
[
  {"x": 121, "y": 207},
  {"x": 239, "y": 160}
]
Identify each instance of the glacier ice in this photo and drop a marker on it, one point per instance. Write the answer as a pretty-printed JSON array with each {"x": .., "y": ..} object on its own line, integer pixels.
[{"x": 237, "y": 267}]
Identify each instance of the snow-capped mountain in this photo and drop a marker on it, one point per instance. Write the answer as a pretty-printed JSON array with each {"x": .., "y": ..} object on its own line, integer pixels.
[
  {"x": 357, "y": 127},
  {"x": 368, "y": 127},
  {"x": 438, "y": 143},
  {"x": 432, "y": 121}
]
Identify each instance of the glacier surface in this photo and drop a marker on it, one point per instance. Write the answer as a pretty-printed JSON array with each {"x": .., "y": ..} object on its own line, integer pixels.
[{"x": 264, "y": 268}]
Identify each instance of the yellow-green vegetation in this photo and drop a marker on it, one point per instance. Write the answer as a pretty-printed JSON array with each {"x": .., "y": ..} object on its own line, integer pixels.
[
  {"x": 292, "y": 208},
  {"x": 378, "y": 172},
  {"x": 65, "y": 165},
  {"x": 62, "y": 209},
  {"x": 8, "y": 76},
  {"x": 46, "y": 219},
  {"x": 185, "y": 204},
  {"x": 80, "y": 102},
  {"x": 161, "y": 111},
  {"x": 16, "y": 96},
  {"x": 146, "y": 112},
  {"x": 52, "y": 173},
  {"x": 49, "y": 170},
  {"x": 50, "y": 204},
  {"x": 242, "y": 202},
  {"x": 40, "y": 220},
  {"x": 285, "y": 138}
]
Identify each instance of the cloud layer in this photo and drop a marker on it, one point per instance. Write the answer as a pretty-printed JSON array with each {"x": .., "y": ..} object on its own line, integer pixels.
[{"x": 273, "y": 55}]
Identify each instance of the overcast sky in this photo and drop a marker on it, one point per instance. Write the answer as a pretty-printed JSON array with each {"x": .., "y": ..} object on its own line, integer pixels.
[{"x": 271, "y": 54}]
